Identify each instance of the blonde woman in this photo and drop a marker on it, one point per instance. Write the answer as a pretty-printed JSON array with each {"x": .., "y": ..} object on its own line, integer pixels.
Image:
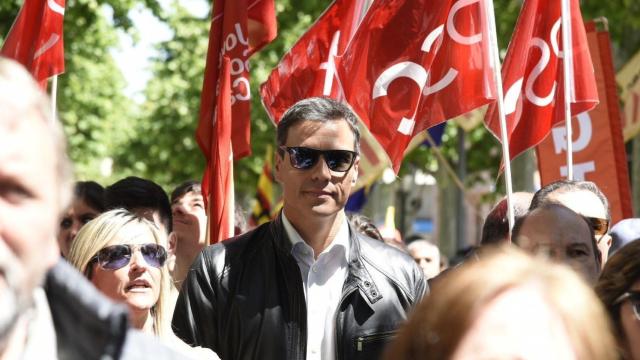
[
  {"x": 124, "y": 256},
  {"x": 507, "y": 305}
]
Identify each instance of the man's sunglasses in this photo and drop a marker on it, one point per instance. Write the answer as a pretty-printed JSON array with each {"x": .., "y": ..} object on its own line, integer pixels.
[
  {"x": 305, "y": 158},
  {"x": 600, "y": 226},
  {"x": 634, "y": 298},
  {"x": 118, "y": 256}
]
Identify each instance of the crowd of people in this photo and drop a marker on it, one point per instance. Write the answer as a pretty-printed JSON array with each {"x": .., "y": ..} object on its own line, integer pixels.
[{"x": 131, "y": 276}]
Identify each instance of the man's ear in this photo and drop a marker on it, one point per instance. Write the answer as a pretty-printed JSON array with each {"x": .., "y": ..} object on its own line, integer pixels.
[{"x": 356, "y": 164}]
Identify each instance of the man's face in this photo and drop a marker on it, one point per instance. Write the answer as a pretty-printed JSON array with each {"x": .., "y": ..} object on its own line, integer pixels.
[
  {"x": 427, "y": 256},
  {"x": 563, "y": 236},
  {"x": 28, "y": 209},
  {"x": 189, "y": 219},
  {"x": 586, "y": 204},
  {"x": 317, "y": 192}
]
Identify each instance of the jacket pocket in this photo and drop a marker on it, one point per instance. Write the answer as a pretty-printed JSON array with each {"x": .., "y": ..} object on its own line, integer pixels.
[{"x": 372, "y": 346}]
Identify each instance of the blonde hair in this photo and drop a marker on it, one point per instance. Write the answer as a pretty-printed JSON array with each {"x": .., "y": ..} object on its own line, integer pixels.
[
  {"x": 118, "y": 226},
  {"x": 20, "y": 95},
  {"x": 439, "y": 323}
]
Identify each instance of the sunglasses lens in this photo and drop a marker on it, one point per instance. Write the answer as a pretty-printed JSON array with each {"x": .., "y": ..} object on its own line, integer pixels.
[
  {"x": 303, "y": 158},
  {"x": 600, "y": 226},
  {"x": 114, "y": 257},
  {"x": 339, "y": 160},
  {"x": 154, "y": 254}
]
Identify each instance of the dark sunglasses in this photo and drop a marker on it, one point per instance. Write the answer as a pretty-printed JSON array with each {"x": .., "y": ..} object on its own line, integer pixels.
[
  {"x": 305, "y": 158},
  {"x": 634, "y": 298},
  {"x": 118, "y": 256},
  {"x": 600, "y": 226}
]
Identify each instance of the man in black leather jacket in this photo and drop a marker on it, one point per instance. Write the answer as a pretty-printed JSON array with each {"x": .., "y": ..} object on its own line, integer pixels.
[{"x": 305, "y": 285}]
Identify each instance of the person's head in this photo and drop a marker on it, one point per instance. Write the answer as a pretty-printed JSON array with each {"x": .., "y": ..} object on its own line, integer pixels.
[
  {"x": 586, "y": 199},
  {"x": 317, "y": 162},
  {"x": 363, "y": 225},
  {"x": 143, "y": 197},
  {"x": 189, "y": 215},
  {"x": 619, "y": 290},
  {"x": 426, "y": 255},
  {"x": 624, "y": 232},
  {"x": 507, "y": 306},
  {"x": 496, "y": 226},
  {"x": 557, "y": 232},
  {"x": 123, "y": 255},
  {"x": 35, "y": 188},
  {"x": 87, "y": 203}
]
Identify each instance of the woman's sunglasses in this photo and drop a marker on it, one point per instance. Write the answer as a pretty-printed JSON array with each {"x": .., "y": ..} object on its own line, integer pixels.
[
  {"x": 634, "y": 298},
  {"x": 305, "y": 158},
  {"x": 118, "y": 256}
]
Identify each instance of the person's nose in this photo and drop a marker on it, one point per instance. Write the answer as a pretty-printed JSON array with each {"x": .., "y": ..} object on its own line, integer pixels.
[
  {"x": 137, "y": 262},
  {"x": 75, "y": 228},
  {"x": 321, "y": 170}
]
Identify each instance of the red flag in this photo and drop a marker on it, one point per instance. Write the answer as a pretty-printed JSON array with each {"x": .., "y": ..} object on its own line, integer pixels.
[
  {"x": 533, "y": 75},
  {"x": 414, "y": 64},
  {"x": 217, "y": 183},
  {"x": 308, "y": 69},
  {"x": 239, "y": 28},
  {"x": 35, "y": 39}
]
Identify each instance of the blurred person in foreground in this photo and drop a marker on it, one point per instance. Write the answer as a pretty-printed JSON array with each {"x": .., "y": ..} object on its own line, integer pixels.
[
  {"x": 586, "y": 199},
  {"x": 60, "y": 316},
  {"x": 189, "y": 227},
  {"x": 306, "y": 285},
  {"x": 507, "y": 305},
  {"x": 87, "y": 204},
  {"x": 426, "y": 254},
  {"x": 124, "y": 256},
  {"x": 619, "y": 290},
  {"x": 556, "y": 232},
  {"x": 495, "y": 229}
]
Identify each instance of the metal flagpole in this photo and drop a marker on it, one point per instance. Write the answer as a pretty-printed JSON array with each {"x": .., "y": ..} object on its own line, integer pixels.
[
  {"x": 54, "y": 97},
  {"x": 497, "y": 75},
  {"x": 567, "y": 62}
]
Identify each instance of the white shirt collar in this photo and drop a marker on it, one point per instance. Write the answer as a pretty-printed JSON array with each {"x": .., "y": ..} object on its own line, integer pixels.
[{"x": 340, "y": 241}]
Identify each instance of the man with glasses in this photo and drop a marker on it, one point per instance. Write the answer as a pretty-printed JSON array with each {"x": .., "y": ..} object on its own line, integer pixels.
[
  {"x": 305, "y": 285},
  {"x": 586, "y": 199}
]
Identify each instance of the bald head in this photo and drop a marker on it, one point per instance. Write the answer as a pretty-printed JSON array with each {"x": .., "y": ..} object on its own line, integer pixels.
[
  {"x": 557, "y": 232},
  {"x": 496, "y": 226}
]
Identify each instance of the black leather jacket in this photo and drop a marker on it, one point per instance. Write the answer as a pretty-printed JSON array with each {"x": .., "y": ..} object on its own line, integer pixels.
[{"x": 244, "y": 298}]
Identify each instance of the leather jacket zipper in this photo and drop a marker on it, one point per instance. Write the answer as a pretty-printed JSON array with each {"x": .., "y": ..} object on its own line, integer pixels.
[{"x": 368, "y": 338}]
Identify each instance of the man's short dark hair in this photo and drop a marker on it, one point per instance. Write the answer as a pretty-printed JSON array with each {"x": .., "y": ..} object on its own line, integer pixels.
[
  {"x": 496, "y": 226},
  {"x": 541, "y": 196},
  {"x": 91, "y": 193},
  {"x": 317, "y": 109},
  {"x": 185, "y": 188},
  {"x": 133, "y": 193}
]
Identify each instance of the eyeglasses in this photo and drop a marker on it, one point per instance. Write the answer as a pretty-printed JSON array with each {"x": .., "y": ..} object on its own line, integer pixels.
[
  {"x": 634, "y": 297},
  {"x": 118, "y": 256},
  {"x": 600, "y": 226},
  {"x": 305, "y": 158}
]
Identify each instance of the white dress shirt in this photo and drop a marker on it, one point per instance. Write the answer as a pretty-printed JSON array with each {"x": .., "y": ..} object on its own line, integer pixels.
[{"x": 322, "y": 279}]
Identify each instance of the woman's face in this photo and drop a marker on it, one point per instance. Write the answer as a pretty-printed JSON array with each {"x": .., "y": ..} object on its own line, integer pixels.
[
  {"x": 78, "y": 214},
  {"x": 136, "y": 284},
  {"x": 631, "y": 325}
]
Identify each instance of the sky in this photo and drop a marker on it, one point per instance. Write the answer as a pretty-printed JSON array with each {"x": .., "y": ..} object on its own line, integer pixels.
[{"x": 134, "y": 58}]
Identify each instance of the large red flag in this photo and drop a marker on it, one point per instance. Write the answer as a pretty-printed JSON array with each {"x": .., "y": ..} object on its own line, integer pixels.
[
  {"x": 414, "y": 64},
  {"x": 239, "y": 28},
  {"x": 533, "y": 75},
  {"x": 35, "y": 39},
  {"x": 217, "y": 184},
  {"x": 308, "y": 69}
]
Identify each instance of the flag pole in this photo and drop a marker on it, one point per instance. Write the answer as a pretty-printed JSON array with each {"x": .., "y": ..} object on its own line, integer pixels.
[
  {"x": 54, "y": 97},
  {"x": 497, "y": 75},
  {"x": 567, "y": 63}
]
